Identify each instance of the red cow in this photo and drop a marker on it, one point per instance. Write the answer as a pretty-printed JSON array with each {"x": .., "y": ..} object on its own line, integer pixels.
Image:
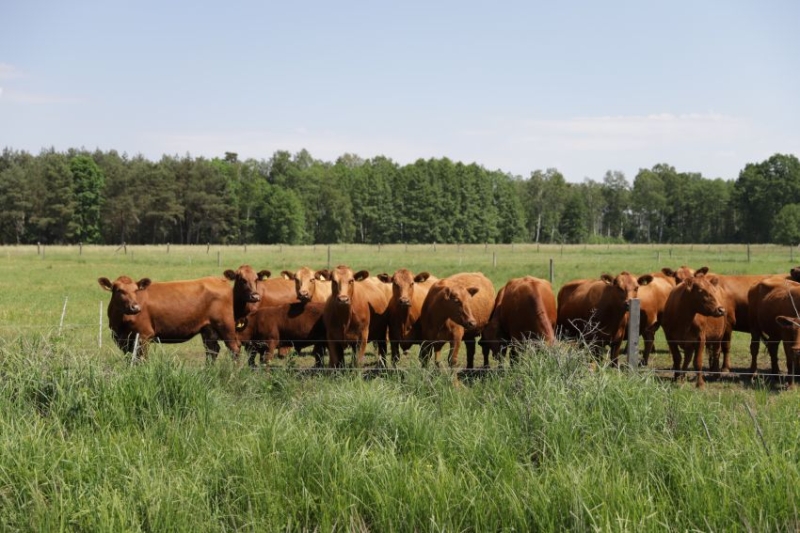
[
  {"x": 456, "y": 309},
  {"x": 681, "y": 274},
  {"x": 356, "y": 313},
  {"x": 596, "y": 310},
  {"x": 525, "y": 309},
  {"x": 171, "y": 312},
  {"x": 694, "y": 317},
  {"x": 408, "y": 294},
  {"x": 252, "y": 290},
  {"x": 652, "y": 299},
  {"x": 297, "y": 324},
  {"x": 775, "y": 307},
  {"x": 308, "y": 288}
]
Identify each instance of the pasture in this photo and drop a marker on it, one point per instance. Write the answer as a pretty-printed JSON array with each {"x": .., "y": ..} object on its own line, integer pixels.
[{"x": 90, "y": 442}]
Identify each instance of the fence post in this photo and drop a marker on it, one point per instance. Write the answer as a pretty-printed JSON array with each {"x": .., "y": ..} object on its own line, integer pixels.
[
  {"x": 633, "y": 333},
  {"x": 552, "y": 272},
  {"x": 135, "y": 349},
  {"x": 494, "y": 259},
  {"x": 748, "y": 252},
  {"x": 329, "y": 257},
  {"x": 219, "y": 259}
]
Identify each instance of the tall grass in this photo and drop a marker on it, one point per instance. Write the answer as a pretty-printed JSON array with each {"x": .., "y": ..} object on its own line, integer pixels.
[{"x": 92, "y": 443}]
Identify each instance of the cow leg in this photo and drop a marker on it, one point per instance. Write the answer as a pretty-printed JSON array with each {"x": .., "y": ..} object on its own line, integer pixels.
[
  {"x": 471, "y": 345},
  {"x": 335, "y": 353},
  {"x": 614, "y": 350},
  {"x": 455, "y": 345},
  {"x": 649, "y": 341},
  {"x": 772, "y": 348},
  {"x": 361, "y": 350},
  {"x": 726, "y": 353},
  {"x": 675, "y": 351},
  {"x": 698, "y": 364},
  {"x": 319, "y": 353},
  {"x": 755, "y": 345}
]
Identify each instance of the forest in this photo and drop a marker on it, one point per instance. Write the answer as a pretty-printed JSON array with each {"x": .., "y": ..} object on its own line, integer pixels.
[{"x": 104, "y": 197}]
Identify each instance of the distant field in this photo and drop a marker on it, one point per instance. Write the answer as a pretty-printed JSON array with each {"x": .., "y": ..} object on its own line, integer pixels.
[
  {"x": 89, "y": 442},
  {"x": 35, "y": 282}
]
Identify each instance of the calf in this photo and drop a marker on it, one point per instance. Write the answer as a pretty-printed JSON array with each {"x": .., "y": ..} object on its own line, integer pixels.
[
  {"x": 652, "y": 299},
  {"x": 171, "y": 312},
  {"x": 296, "y": 324},
  {"x": 525, "y": 309},
  {"x": 356, "y": 313},
  {"x": 456, "y": 309},
  {"x": 405, "y": 305},
  {"x": 596, "y": 310},
  {"x": 694, "y": 317}
]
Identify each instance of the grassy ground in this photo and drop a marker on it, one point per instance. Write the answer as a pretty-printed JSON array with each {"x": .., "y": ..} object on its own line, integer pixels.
[{"x": 90, "y": 442}]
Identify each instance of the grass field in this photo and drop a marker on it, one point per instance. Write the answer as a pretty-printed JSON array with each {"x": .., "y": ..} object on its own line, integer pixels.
[{"x": 90, "y": 442}]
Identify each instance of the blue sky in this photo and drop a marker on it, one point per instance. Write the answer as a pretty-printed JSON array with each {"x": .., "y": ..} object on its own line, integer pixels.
[{"x": 581, "y": 86}]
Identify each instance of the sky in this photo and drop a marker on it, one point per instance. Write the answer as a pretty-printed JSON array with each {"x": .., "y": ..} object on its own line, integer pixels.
[{"x": 581, "y": 86}]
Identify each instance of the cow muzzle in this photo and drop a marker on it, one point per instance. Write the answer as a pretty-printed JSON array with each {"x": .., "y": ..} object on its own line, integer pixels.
[
  {"x": 343, "y": 300},
  {"x": 719, "y": 311},
  {"x": 254, "y": 297},
  {"x": 134, "y": 309},
  {"x": 405, "y": 302},
  {"x": 304, "y": 297}
]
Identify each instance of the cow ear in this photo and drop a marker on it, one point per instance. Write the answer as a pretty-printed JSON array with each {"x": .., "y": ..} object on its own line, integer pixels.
[
  {"x": 143, "y": 283},
  {"x": 422, "y": 276},
  {"x": 645, "y": 280},
  {"x": 384, "y": 277},
  {"x": 447, "y": 293},
  {"x": 473, "y": 291},
  {"x": 702, "y": 271},
  {"x": 669, "y": 272},
  {"x": 788, "y": 322},
  {"x": 229, "y": 274},
  {"x": 361, "y": 275},
  {"x": 105, "y": 283},
  {"x": 794, "y": 273},
  {"x": 263, "y": 274},
  {"x": 285, "y": 274},
  {"x": 714, "y": 280},
  {"x": 607, "y": 279}
]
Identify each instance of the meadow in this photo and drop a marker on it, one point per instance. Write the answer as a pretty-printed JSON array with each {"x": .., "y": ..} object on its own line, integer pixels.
[{"x": 89, "y": 441}]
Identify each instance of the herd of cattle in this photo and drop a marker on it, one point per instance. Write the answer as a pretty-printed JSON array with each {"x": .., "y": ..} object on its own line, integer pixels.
[{"x": 341, "y": 308}]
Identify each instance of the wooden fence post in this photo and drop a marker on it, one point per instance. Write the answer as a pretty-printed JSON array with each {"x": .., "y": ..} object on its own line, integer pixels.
[{"x": 634, "y": 315}]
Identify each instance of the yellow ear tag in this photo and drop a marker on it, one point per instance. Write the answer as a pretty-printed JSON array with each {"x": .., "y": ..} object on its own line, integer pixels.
[{"x": 240, "y": 324}]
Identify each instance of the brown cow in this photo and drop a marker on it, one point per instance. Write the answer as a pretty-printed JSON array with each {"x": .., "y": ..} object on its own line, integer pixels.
[
  {"x": 171, "y": 312},
  {"x": 652, "y": 299},
  {"x": 405, "y": 305},
  {"x": 356, "y": 313},
  {"x": 296, "y": 324},
  {"x": 456, "y": 309},
  {"x": 525, "y": 309},
  {"x": 775, "y": 306},
  {"x": 308, "y": 288},
  {"x": 596, "y": 310},
  {"x": 681, "y": 274},
  {"x": 252, "y": 290},
  {"x": 694, "y": 317}
]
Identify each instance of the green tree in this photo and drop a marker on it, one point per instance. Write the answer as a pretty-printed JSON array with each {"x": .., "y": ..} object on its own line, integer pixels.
[
  {"x": 16, "y": 199},
  {"x": 760, "y": 192},
  {"x": 786, "y": 225},
  {"x": 89, "y": 182},
  {"x": 53, "y": 217},
  {"x": 616, "y": 191},
  {"x": 649, "y": 205},
  {"x": 572, "y": 225},
  {"x": 281, "y": 218},
  {"x": 545, "y": 194}
]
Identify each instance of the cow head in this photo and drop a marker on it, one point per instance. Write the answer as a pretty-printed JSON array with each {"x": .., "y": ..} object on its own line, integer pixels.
[
  {"x": 456, "y": 301},
  {"x": 123, "y": 293},
  {"x": 245, "y": 282},
  {"x": 625, "y": 285},
  {"x": 403, "y": 285},
  {"x": 683, "y": 273},
  {"x": 794, "y": 273},
  {"x": 703, "y": 291},
  {"x": 343, "y": 281},
  {"x": 305, "y": 281}
]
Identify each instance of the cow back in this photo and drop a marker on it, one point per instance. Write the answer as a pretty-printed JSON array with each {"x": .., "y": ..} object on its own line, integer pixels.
[{"x": 527, "y": 309}]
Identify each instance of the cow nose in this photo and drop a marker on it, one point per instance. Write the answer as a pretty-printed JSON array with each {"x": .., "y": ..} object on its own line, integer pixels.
[
  {"x": 255, "y": 297},
  {"x": 343, "y": 299},
  {"x": 720, "y": 311},
  {"x": 405, "y": 302},
  {"x": 134, "y": 309},
  {"x": 304, "y": 296}
]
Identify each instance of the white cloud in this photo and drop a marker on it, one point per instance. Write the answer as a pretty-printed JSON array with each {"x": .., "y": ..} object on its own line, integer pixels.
[{"x": 10, "y": 72}]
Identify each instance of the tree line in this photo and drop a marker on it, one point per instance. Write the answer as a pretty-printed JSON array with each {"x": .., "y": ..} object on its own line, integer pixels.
[{"x": 107, "y": 198}]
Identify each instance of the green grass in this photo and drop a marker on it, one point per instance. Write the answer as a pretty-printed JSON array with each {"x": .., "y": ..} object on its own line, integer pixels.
[{"x": 90, "y": 442}]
